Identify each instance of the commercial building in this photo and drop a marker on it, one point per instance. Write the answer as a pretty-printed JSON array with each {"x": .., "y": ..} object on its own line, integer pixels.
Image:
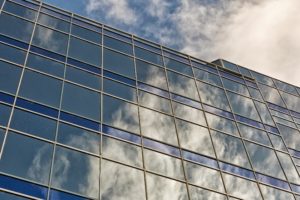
[{"x": 91, "y": 112}]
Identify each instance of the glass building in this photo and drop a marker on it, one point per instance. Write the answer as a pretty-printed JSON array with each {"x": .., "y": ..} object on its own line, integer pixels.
[{"x": 90, "y": 112}]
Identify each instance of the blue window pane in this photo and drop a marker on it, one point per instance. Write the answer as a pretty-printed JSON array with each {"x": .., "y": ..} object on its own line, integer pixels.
[
  {"x": 186, "y": 101},
  {"x": 13, "y": 42},
  {"x": 272, "y": 181},
  {"x": 58, "y": 195},
  {"x": 5, "y": 113},
  {"x": 207, "y": 77},
  {"x": 218, "y": 111},
  {"x": 292, "y": 102},
  {"x": 6, "y": 98},
  {"x": 19, "y": 10},
  {"x": 33, "y": 124},
  {"x": 56, "y": 13},
  {"x": 32, "y": 158},
  {"x": 161, "y": 147},
  {"x": 80, "y": 121},
  {"x": 117, "y": 45},
  {"x": 121, "y": 134},
  {"x": 264, "y": 113},
  {"x": 10, "y": 76},
  {"x": 148, "y": 56},
  {"x": 119, "y": 78},
  {"x": 2, "y": 134},
  {"x": 271, "y": 95},
  {"x": 12, "y": 54},
  {"x": 53, "y": 22},
  {"x": 28, "y": 4},
  {"x": 119, "y": 35},
  {"x": 83, "y": 65},
  {"x": 206, "y": 67},
  {"x": 45, "y": 65},
  {"x": 48, "y": 53},
  {"x": 254, "y": 93},
  {"x": 178, "y": 66},
  {"x": 54, "y": 41},
  {"x": 245, "y": 71},
  {"x": 76, "y": 172},
  {"x": 41, "y": 88},
  {"x": 249, "y": 121},
  {"x": 87, "y": 24},
  {"x": 148, "y": 46},
  {"x": 78, "y": 138},
  {"x": 237, "y": 170},
  {"x": 290, "y": 136},
  {"x": 200, "y": 159},
  {"x": 262, "y": 78},
  {"x": 254, "y": 134},
  {"x": 15, "y": 27},
  {"x": 153, "y": 90},
  {"x": 236, "y": 87},
  {"x": 119, "y": 90},
  {"x": 24, "y": 187},
  {"x": 86, "y": 34},
  {"x": 176, "y": 55},
  {"x": 230, "y": 66},
  {"x": 7, "y": 196},
  {"x": 232, "y": 76},
  {"x": 83, "y": 78},
  {"x": 88, "y": 53},
  {"x": 155, "y": 102},
  {"x": 285, "y": 87},
  {"x": 118, "y": 63},
  {"x": 222, "y": 124},
  {"x": 81, "y": 101}
]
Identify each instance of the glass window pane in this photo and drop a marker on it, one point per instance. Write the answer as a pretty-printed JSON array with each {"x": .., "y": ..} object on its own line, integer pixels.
[
  {"x": 275, "y": 194},
  {"x": 120, "y": 114},
  {"x": 182, "y": 85},
  {"x": 78, "y": 138},
  {"x": 10, "y": 76},
  {"x": 213, "y": 96},
  {"x": 50, "y": 40},
  {"x": 154, "y": 102},
  {"x": 230, "y": 66},
  {"x": 288, "y": 167},
  {"x": 254, "y": 93},
  {"x": 254, "y": 134},
  {"x": 221, "y": 124},
  {"x": 81, "y": 101},
  {"x": 285, "y": 87},
  {"x": 163, "y": 188},
  {"x": 202, "y": 194},
  {"x": 33, "y": 124},
  {"x": 277, "y": 142},
  {"x": 290, "y": 136},
  {"x": 120, "y": 90},
  {"x": 148, "y": 56},
  {"x": 117, "y": 45},
  {"x": 7, "y": 196},
  {"x": 243, "y": 106},
  {"x": 12, "y": 54},
  {"x": 4, "y": 114},
  {"x": 158, "y": 126},
  {"x": 53, "y": 22},
  {"x": 32, "y": 158},
  {"x": 178, "y": 66},
  {"x": 230, "y": 149},
  {"x": 151, "y": 74},
  {"x": 264, "y": 160},
  {"x": 76, "y": 172},
  {"x": 235, "y": 86},
  {"x": 262, "y": 78},
  {"x": 291, "y": 101},
  {"x": 122, "y": 151},
  {"x": 19, "y": 10},
  {"x": 2, "y": 134},
  {"x": 88, "y": 53},
  {"x": 86, "y": 34},
  {"x": 188, "y": 113},
  {"x": 41, "y": 88},
  {"x": 203, "y": 176},
  {"x": 163, "y": 164},
  {"x": 45, "y": 65},
  {"x": 271, "y": 95},
  {"x": 241, "y": 188},
  {"x": 264, "y": 113},
  {"x": 118, "y": 63},
  {"x": 207, "y": 77},
  {"x": 15, "y": 27},
  {"x": 194, "y": 138},
  {"x": 83, "y": 78},
  {"x": 121, "y": 182}
]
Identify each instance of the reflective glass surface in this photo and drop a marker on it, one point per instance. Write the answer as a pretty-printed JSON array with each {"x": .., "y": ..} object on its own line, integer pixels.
[
  {"x": 117, "y": 45},
  {"x": 120, "y": 90},
  {"x": 5, "y": 113},
  {"x": 178, "y": 66},
  {"x": 12, "y": 54},
  {"x": 271, "y": 95},
  {"x": 155, "y": 102},
  {"x": 148, "y": 55},
  {"x": 207, "y": 77},
  {"x": 85, "y": 33},
  {"x": 235, "y": 86},
  {"x": 19, "y": 10},
  {"x": 254, "y": 134},
  {"x": 221, "y": 124},
  {"x": 10, "y": 76},
  {"x": 199, "y": 194}
]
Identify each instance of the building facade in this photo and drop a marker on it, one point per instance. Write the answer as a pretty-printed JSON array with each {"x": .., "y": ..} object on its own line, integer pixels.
[{"x": 91, "y": 112}]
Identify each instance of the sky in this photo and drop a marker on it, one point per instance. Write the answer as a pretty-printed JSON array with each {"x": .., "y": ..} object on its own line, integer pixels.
[{"x": 262, "y": 35}]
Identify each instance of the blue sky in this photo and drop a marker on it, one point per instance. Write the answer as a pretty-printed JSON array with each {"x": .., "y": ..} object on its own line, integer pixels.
[{"x": 259, "y": 34}]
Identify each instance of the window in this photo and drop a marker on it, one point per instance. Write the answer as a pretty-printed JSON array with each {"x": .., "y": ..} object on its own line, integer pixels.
[
  {"x": 12, "y": 54},
  {"x": 207, "y": 77},
  {"x": 5, "y": 114},
  {"x": 120, "y": 90},
  {"x": 288, "y": 167},
  {"x": 88, "y": 53},
  {"x": 272, "y": 193},
  {"x": 285, "y": 87},
  {"x": 264, "y": 113},
  {"x": 118, "y": 63},
  {"x": 50, "y": 40},
  {"x": 254, "y": 134},
  {"x": 155, "y": 102},
  {"x": 120, "y": 114},
  {"x": 117, "y": 45},
  {"x": 262, "y": 78},
  {"x": 221, "y": 124},
  {"x": 148, "y": 56},
  {"x": 178, "y": 66},
  {"x": 10, "y": 76},
  {"x": 158, "y": 126},
  {"x": 195, "y": 193},
  {"x": 81, "y": 101},
  {"x": 19, "y": 10},
  {"x": 235, "y": 86},
  {"x": 254, "y": 93},
  {"x": 15, "y": 27},
  {"x": 76, "y": 172},
  {"x": 291, "y": 101},
  {"x": 32, "y": 158},
  {"x": 86, "y": 34},
  {"x": 41, "y": 88},
  {"x": 271, "y": 95},
  {"x": 290, "y": 136},
  {"x": 53, "y": 22}
]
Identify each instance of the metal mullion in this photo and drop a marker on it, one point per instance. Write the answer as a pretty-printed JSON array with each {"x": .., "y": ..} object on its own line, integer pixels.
[
  {"x": 58, "y": 119},
  {"x": 176, "y": 129}
]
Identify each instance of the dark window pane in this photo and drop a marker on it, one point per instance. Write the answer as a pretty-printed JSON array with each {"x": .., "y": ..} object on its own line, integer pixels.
[
  {"x": 33, "y": 124},
  {"x": 7, "y": 196},
  {"x": 86, "y": 34},
  {"x": 76, "y": 172},
  {"x": 12, "y": 54},
  {"x": 120, "y": 114},
  {"x": 83, "y": 78},
  {"x": 178, "y": 66},
  {"x": 85, "y": 51},
  {"x": 41, "y": 88},
  {"x": 81, "y": 101},
  {"x": 15, "y": 27},
  {"x": 10, "y": 76},
  {"x": 50, "y": 40},
  {"x": 119, "y": 90},
  {"x": 119, "y": 63},
  {"x": 151, "y": 74},
  {"x": 207, "y": 77},
  {"x": 78, "y": 138},
  {"x": 117, "y": 45},
  {"x": 148, "y": 55},
  {"x": 5, "y": 113},
  {"x": 53, "y": 22},
  {"x": 19, "y": 10},
  {"x": 32, "y": 158}
]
